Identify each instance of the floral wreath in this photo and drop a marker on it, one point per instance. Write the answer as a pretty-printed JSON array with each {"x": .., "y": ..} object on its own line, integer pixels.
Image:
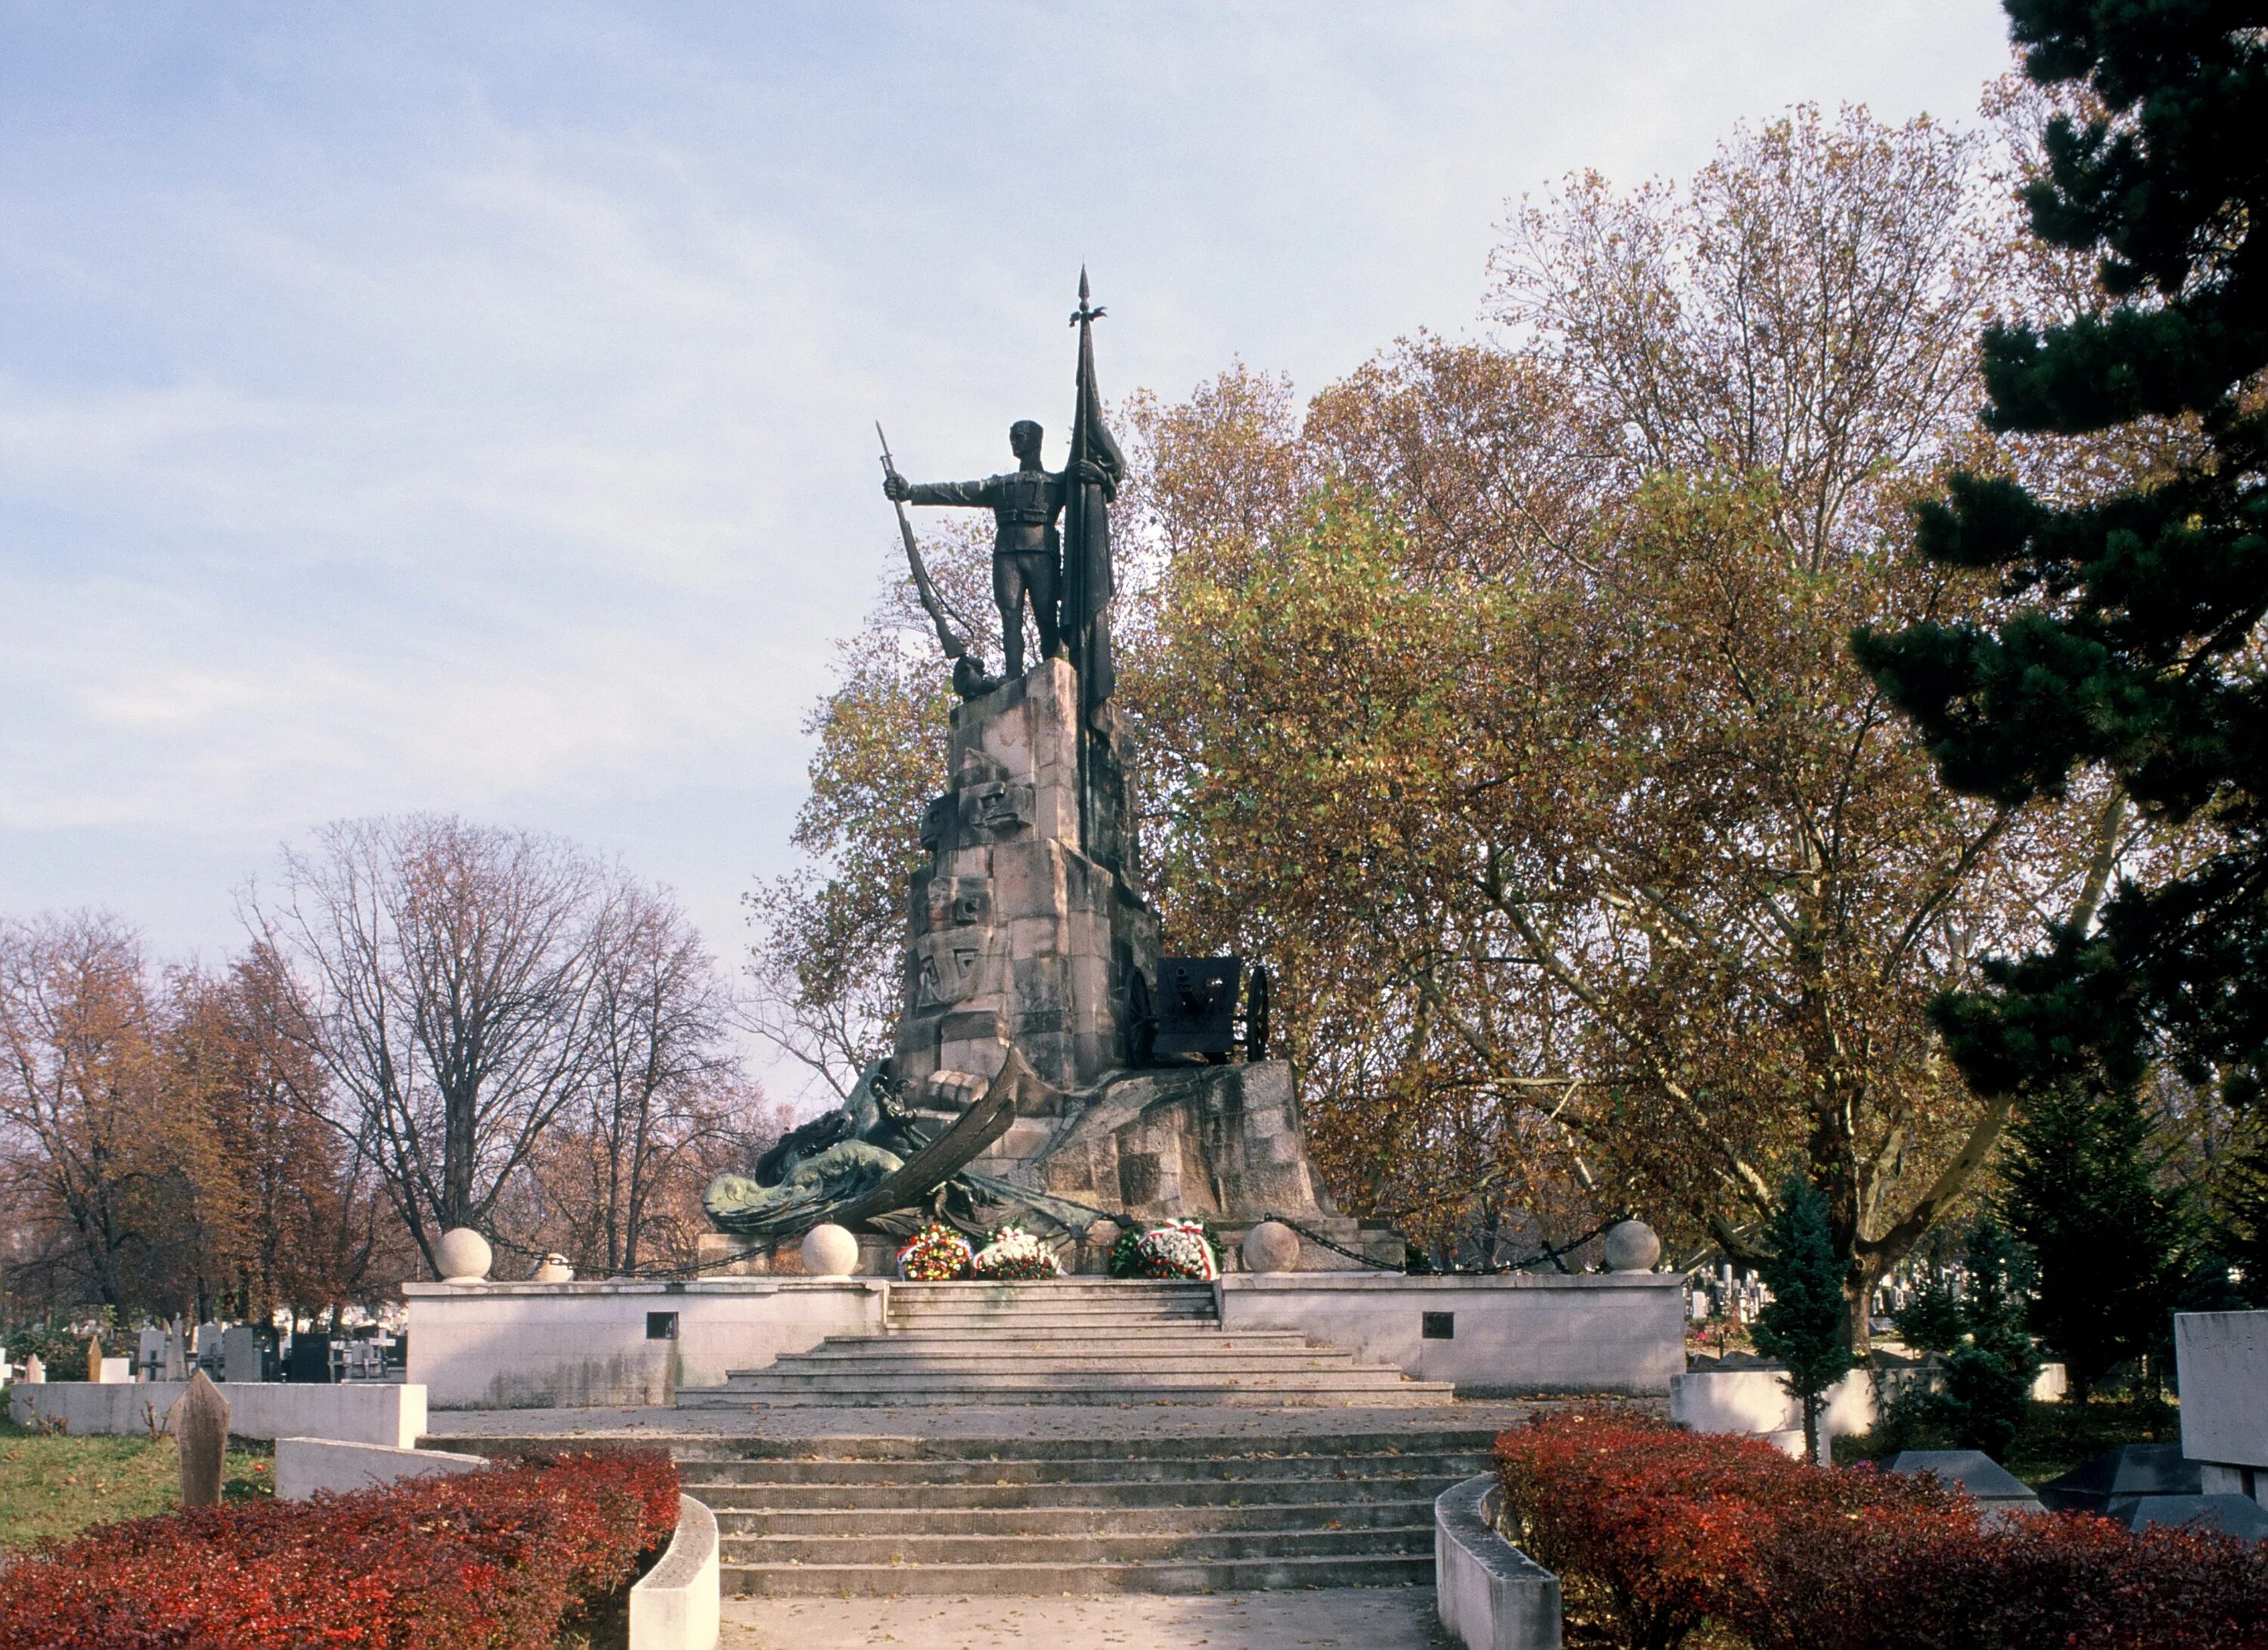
[
  {"x": 937, "y": 1254},
  {"x": 1177, "y": 1248},
  {"x": 1015, "y": 1255}
]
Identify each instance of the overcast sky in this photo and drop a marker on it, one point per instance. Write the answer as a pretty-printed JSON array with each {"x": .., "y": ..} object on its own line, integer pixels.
[{"x": 469, "y": 407}]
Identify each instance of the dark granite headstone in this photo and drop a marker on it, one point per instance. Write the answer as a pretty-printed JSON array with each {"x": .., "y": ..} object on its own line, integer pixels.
[
  {"x": 1973, "y": 1471},
  {"x": 2237, "y": 1515},
  {"x": 2129, "y": 1470}
]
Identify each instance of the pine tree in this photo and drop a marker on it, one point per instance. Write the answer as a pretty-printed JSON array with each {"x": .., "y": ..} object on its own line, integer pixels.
[
  {"x": 2132, "y": 641},
  {"x": 1931, "y": 1322},
  {"x": 2244, "y": 1234},
  {"x": 1806, "y": 1323},
  {"x": 1988, "y": 1382},
  {"x": 2108, "y": 1242}
]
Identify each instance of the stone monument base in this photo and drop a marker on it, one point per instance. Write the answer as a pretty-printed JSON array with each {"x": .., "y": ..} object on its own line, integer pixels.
[{"x": 1221, "y": 1144}]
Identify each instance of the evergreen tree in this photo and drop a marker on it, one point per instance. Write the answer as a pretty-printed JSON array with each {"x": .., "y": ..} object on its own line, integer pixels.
[
  {"x": 1806, "y": 1323},
  {"x": 2133, "y": 639},
  {"x": 1932, "y": 1320},
  {"x": 2244, "y": 1235},
  {"x": 1988, "y": 1382},
  {"x": 2108, "y": 1242}
]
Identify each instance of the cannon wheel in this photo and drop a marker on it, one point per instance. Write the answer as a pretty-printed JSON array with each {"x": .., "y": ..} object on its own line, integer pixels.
[{"x": 1141, "y": 1021}]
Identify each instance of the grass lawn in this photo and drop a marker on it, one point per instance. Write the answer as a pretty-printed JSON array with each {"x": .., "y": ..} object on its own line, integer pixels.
[{"x": 55, "y": 1485}]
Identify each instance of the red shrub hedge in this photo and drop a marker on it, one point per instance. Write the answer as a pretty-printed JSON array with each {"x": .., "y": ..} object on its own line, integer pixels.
[
  {"x": 491, "y": 1560},
  {"x": 1675, "y": 1528}
]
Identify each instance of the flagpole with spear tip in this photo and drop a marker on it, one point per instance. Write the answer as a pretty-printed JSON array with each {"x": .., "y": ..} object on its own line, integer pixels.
[{"x": 1074, "y": 625}]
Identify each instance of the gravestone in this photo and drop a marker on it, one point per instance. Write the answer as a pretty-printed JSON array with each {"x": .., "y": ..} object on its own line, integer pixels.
[
  {"x": 1984, "y": 1480},
  {"x": 200, "y": 1423},
  {"x": 177, "y": 1361},
  {"x": 2131, "y": 1469},
  {"x": 149, "y": 1355},
  {"x": 35, "y": 1373},
  {"x": 239, "y": 1354},
  {"x": 309, "y": 1359},
  {"x": 93, "y": 1359},
  {"x": 2237, "y": 1515},
  {"x": 208, "y": 1344}
]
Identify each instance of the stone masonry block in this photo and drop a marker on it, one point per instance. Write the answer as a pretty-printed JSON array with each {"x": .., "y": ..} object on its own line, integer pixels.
[
  {"x": 955, "y": 1090},
  {"x": 982, "y": 1057},
  {"x": 1027, "y": 880}
]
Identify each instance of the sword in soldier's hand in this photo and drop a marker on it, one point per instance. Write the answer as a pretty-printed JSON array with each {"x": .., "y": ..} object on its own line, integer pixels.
[{"x": 933, "y": 600}]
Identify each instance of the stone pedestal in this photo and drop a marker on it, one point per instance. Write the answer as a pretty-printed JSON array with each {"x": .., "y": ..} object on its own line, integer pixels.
[{"x": 1022, "y": 935}]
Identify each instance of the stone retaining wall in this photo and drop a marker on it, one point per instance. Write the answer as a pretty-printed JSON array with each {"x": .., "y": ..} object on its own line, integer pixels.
[
  {"x": 1515, "y": 1335},
  {"x": 375, "y": 1412},
  {"x": 514, "y": 1346}
]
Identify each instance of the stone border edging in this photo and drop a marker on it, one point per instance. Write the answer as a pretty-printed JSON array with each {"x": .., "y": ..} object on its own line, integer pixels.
[
  {"x": 308, "y": 1466},
  {"x": 1489, "y": 1593},
  {"x": 679, "y": 1605}
]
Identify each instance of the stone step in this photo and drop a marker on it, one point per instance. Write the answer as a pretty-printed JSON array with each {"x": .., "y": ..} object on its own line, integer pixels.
[
  {"x": 1063, "y": 1295},
  {"x": 1334, "y": 1447},
  {"x": 1132, "y": 1288},
  {"x": 1408, "y": 1397},
  {"x": 1053, "y": 1518},
  {"x": 836, "y": 1550},
  {"x": 965, "y": 1385},
  {"x": 1035, "y": 1320},
  {"x": 889, "y": 1360},
  {"x": 1064, "y": 1471},
  {"x": 1248, "y": 1575},
  {"x": 921, "y": 1499},
  {"x": 1156, "y": 1341}
]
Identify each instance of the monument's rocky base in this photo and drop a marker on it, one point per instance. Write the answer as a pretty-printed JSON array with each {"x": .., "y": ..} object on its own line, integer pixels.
[
  {"x": 1218, "y": 1142},
  {"x": 1024, "y": 929}
]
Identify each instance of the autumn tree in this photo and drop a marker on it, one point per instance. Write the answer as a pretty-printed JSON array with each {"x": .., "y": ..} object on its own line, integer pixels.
[
  {"x": 443, "y": 975},
  {"x": 82, "y": 1103},
  {"x": 1505, "y": 700},
  {"x": 294, "y": 1218},
  {"x": 158, "y": 1140},
  {"x": 616, "y": 1169}
]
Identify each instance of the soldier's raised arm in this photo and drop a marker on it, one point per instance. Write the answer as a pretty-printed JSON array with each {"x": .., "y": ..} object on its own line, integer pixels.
[{"x": 975, "y": 495}]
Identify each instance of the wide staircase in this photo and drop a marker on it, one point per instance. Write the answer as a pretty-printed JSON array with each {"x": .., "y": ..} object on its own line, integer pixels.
[
  {"x": 1092, "y": 1341},
  {"x": 1156, "y": 1514},
  {"x": 1175, "y": 1480}
]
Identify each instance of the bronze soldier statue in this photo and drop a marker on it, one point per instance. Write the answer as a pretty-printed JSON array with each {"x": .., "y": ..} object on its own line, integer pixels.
[{"x": 1026, "y": 549}]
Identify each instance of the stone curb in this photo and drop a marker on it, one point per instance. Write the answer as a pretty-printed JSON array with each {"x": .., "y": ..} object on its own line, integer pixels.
[
  {"x": 680, "y": 1604},
  {"x": 1490, "y": 1595}
]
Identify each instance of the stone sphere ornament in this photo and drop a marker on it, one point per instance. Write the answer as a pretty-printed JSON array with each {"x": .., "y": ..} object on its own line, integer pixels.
[
  {"x": 1271, "y": 1246},
  {"x": 828, "y": 1251},
  {"x": 555, "y": 1269},
  {"x": 1632, "y": 1247},
  {"x": 463, "y": 1255}
]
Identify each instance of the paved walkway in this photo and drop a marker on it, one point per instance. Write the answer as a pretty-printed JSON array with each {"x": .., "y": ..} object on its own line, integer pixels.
[{"x": 1351, "y": 1618}]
